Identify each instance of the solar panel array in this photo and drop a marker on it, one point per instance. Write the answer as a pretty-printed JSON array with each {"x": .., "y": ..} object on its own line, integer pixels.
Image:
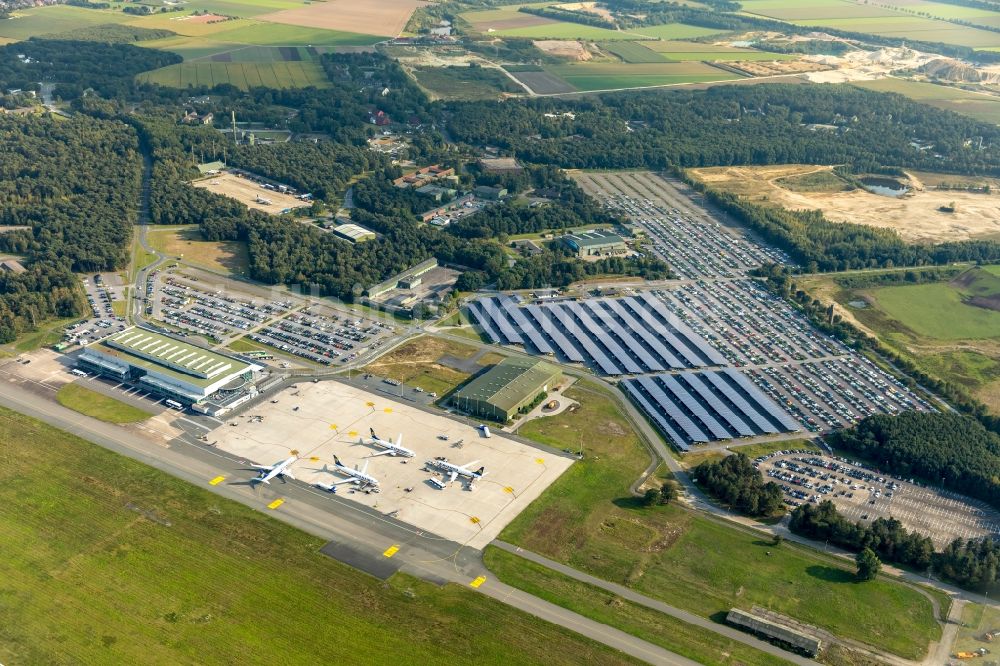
[
  {"x": 618, "y": 336},
  {"x": 699, "y": 407}
]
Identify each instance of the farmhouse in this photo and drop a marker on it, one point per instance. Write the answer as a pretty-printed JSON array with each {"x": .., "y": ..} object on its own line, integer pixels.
[
  {"x": 596, "y": 243},
  {"x": 502, "y": 391},
  {"x": 166, "y": 365}
]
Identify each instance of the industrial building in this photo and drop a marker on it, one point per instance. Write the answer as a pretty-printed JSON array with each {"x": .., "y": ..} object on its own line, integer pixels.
[
  {"x": 500, "y": 392},
  {"x": 167, "y": 366},
  {"x": 407, "y": 277},
  {"x": 596, "y": 243},
  {"x": 354, "y": 233}
]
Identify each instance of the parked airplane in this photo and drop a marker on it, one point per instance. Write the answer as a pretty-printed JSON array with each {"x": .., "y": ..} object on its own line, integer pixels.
[
  {"x": 356, "y": 476},
  {"x": 262, "y": 200},
  {"x": 389, "y": 448},
  {"x": 453, "y": 471},
  {"x": 268, "y": 472}
]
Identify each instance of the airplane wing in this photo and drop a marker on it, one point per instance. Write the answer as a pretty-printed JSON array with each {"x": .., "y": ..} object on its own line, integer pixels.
[
  {"x": 364, "y": 468},
  {"x": 467, "y": 466},
  {"x": 399, "y": 439},
  {"x": 384, "y": 452},
  {"x": 452, "y": 476},
  {"x": 264, "y": 467}
]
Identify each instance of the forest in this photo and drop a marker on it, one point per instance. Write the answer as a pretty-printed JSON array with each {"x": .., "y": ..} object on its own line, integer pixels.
[
  {"x": 735, "y": 481},
  {"x": 944, "y": 448},
  {"x": 75, "y": 66},
  {"x": 74, "y": 185},
  {"x": 730, "y": 125}
]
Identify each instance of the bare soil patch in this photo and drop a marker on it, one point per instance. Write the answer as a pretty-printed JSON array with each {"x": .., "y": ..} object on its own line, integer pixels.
[
  {"x": 205, "y": 18},
  {"x": 570, "y": 50},
  {"x": 249, "y": 193},
  {"x": 917, "y": 217},
  {"x": 384, "y": 18}
]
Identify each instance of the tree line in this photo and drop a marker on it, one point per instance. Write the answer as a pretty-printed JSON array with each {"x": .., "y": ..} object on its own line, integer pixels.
[{"x": 735, "y": 481}]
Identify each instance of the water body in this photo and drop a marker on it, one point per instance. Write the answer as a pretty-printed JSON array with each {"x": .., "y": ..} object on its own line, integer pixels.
[{"x": 886, "y": 187}]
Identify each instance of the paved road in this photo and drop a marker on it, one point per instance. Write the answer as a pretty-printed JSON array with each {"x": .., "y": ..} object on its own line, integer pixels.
[{"x": 365, "y": 532}]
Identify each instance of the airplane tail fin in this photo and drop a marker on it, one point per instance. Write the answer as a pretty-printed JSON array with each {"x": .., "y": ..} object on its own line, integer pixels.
[
  {"x": 481, "y": 471},
  {"x": 336, "y": 461}
]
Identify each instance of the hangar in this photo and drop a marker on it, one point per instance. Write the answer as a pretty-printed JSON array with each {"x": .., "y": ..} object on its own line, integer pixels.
[
  {"x": 500, "y": 392},
  {"x": 166, "y": 365}
]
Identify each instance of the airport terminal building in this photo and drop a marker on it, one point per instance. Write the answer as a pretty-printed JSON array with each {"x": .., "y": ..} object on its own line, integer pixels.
[
  {"x": 167, "y": 366},
  {"x": 500, "y": 392}
]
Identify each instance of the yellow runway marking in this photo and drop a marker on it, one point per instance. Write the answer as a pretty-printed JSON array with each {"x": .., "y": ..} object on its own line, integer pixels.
[
  {"x": 217, "y": 480},
  {"x": 508, "y": 489},
  {"x": 370, "y": 404},
  {"x": 313, "y": 458},
  {"x": 473, "y": 519},
  {"x": 353, "y": 433},
  {"x": 540, "y": 461},
  {"x": 387, "y": 410},
  {"x": 478, "y": 581},
  {"x": 276, "y": 503},
  {"x": 390, "y": 551},
  {"x": 333, "y": 426}
]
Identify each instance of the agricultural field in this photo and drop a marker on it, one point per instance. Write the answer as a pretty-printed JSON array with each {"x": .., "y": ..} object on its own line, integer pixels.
[
  {"x": 386, "y": 18},
  {"x": 272, "y": 34},
  {"x": 543, "y": 83},
  {"x": 679, "y": 51},
  {"x": 980, "y": 106},
  {"x": 587, "y": 520},
  {"x": 918, "y": 216},
  {"x": 188, "y": 25},
  {"x": 611, "y": 76},
  {"x": 565, "y": 30},
  {"x": 503, "y": 18},
  {"x": 243, "y": 75},
  {"x": 134, "y": 566},
  {"x": 676, "y": 31},
  {"x": 950, "y": 330},
  {"x": 465, "y": 83},
  {"x": 228, "y": 257}
]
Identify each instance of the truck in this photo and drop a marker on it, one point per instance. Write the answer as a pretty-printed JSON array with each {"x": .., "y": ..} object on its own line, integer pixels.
[{"x": 485, "y": 430}]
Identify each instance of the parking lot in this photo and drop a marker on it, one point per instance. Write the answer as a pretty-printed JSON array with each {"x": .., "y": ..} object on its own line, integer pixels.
[
  {"x": 864, "y": 494},
  {"x": 319, "y": 420},
  {"x": 102, "y": 290},
  {"x": 285, "y": 323},
  {"x": 680, "y": 229}
]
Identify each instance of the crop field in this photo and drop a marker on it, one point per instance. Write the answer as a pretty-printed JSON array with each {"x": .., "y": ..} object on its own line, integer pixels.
[
  {"x": 543, "y": 83},
  {"x": 679, "y": 51},
  {"x": 676, "y": 31},
  {"x": 790, "y": 10},
  {"x": 244, "y": 75},
  {"x": 134, "y": 566},
  {"x": 187, "y": 25},
  {"x": 633, "y": 52},
  {"x": 979, "y": 106},
  {"x": 465, "y": 83},
  {"x": 189, "y": 48},
  {"x": 587, "y": 520},
  {"x": 503, "y": 18},
  {"x": 243, "y": 8},
  {"x": 941, "y": 311},
  {"x": 386, "y": 18},
  {"x": 610, "y": 76},
  {"x": 273, "y": 34},
  {"x": 566, "y": 30}
]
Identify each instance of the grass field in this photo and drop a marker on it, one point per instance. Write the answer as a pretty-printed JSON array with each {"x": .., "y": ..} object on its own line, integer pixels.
[
  {"x": 183, "y": 25},
  {"x": 976, "y": 621},
  {"x": 937, "y": 311},
  {"x": 223, "y": 256},
  {"x": 99, "y": 406},
  {"x": 609, "y": 76},
  {"x": 676, "y": 31},
  {"x": 276, "y": 34},
  {"x": 53, "y": 19},
  {"x": 109, "y": 561},
  {"x": 679, "y": 50},
  {"x": 657, "y": 628},
  {"x": 46, "y": 334},
  {"x": 566, "y": 30},
  {"x": 588, "y": 520},
  {"x": 981, "y": 107},
  {"x": 465, "y": 83},
  {"x": 416, "y": 363},
  {"x": 244, "y": 75},
  {"x": 815, "y": 181}
]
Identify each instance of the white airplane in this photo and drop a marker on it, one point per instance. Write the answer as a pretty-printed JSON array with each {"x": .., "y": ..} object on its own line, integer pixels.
[
  {"x": 262, "y": 200},
  {"x": 389, "y": 448},
  {"x": 453, "y": 471},
  {"x": 357, "y": 476},
  {"x": 268, "y": 472}
]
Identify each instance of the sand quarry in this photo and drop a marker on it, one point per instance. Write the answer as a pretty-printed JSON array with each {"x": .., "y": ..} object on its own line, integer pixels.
[{"x": 917, "y": 216}]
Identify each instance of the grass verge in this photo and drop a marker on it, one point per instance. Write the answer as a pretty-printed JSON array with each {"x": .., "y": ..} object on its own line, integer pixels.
[
  {"x": 99, "y": 406},
  {"x": 650, "y": 625},
  {"x": 107, "y": 560}
]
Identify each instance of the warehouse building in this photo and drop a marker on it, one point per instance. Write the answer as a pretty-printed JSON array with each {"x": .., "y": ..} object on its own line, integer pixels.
[
  {"x": 596, "y": 243},
  {"x": 354, "y": 233},
  {"x": 502, "y": 391},
  {"x": 166, "y": 366}
]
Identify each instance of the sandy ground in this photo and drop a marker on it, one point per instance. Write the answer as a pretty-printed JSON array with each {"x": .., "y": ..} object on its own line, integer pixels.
[
  {"x": 385, "y": 18},
  {"x": 247, "y": 193},
  {"x": 916, "y": 217},
  {"x": 332, "y": 416},
  {"x": 563, "y": 49}
]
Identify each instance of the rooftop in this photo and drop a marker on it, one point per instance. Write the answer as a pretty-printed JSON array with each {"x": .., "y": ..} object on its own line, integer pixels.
[
  {"x": 354, "y": 232},
  {"x": 506, "y": 383},
  {"x": 594, "y": 238},
  {"x": 169, "y": 356}
]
